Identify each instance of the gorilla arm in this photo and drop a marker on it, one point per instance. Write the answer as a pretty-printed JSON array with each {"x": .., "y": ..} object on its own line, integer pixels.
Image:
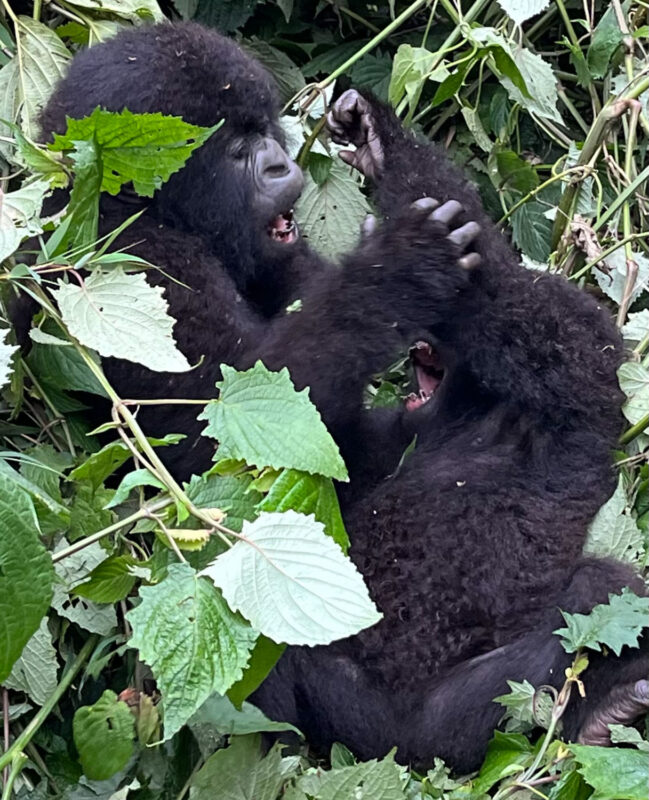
[{"x": 530, "y": 340}]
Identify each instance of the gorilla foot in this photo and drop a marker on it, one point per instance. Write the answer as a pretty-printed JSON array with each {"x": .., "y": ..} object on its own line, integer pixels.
[{"x": 622, "y": 706}]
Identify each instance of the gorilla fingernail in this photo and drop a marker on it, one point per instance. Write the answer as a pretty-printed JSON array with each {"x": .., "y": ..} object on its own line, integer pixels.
[
  {"x": 447, "y": 212},
  {"x": 471, "y": 261},
  {"x": 464, "y": 235}
]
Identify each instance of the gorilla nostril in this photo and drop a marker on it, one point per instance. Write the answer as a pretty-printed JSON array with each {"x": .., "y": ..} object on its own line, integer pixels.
[{"x": 277, "y": 170}]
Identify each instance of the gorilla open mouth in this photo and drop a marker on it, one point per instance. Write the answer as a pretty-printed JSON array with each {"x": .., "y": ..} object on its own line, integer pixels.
[
  {"x": 283, "y": 228},
  {"x": 429, "y": 373}
]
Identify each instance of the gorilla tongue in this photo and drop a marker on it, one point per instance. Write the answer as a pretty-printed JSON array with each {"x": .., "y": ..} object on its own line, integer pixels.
[
  {"x": 283, "y": 228},
  {"x": 429, "y": 373}
]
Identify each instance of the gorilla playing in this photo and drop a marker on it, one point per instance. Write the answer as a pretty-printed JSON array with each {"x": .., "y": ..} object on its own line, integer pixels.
[
  {"x": 222, "y": 226},
  {"x": 472, "y": 544}
]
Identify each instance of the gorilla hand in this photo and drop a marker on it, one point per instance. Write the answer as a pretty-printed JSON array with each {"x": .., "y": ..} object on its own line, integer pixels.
[
  {"x": 419, "y": 263},
  {"x": 350, "y": 121}
]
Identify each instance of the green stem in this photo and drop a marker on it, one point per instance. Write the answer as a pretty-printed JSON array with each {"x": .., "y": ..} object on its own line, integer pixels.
[
  {"x": 539, "y": 188},
  {"x": 635, "y": 430},
  {"x": 142, "y": 513},
  {"x": 17, "y": 764},
  {"x": 43, "y": 713},
  {"x": 605, "y": 253},
  {"x": 36, "y": 13},
  {"x": 620, "y": 199}
]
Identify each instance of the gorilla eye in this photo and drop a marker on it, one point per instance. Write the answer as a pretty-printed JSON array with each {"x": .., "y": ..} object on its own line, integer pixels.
[{"x": 240, "y": 151}]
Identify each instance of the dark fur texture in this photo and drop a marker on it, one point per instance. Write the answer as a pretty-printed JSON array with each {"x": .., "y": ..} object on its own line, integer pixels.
[
  {"x": 198, "y": 228},
  {"x": 473, "y": 546}
]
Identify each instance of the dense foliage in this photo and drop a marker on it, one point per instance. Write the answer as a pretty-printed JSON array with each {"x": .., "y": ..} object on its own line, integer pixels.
[{"x": 132, "y": 629}]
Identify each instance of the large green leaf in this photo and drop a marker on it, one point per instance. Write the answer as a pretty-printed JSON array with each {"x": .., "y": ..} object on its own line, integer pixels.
[
  {"x": 260, "y": 418},
  {"x": 370, "y": 780},
  {"x": 122, "y": 316},
  {"x": 614, "y": 624},
  {"x": 541, "y": 97},
  {"x": 308, "y": 494},
  {"x": 144, "y": 149},
  {"x": 412, "y": 67},
  {"x": 26, "y": 574},
  {"x": 219, "y": 714},
  {"x": 634, "y": 381},
  {"x": 504, "y": 753},
  {"x": 614, "y": 531},
  {"x": 191, "y": 640},
  {"x": 29, "y": 78},
  {"x": 230, "y": 493},
  {"x": 35, "y": 671},
  {"x": 103, "y": 735},
  {"x": 614, "y": 774},
  {"x": 239, "y": 772},
  {"x": 292, "y": 581},
  {"x": 330, "y": 214}
]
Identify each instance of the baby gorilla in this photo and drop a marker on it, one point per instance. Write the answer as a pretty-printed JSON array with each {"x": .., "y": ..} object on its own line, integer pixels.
[{"x": 472, "y": 544}]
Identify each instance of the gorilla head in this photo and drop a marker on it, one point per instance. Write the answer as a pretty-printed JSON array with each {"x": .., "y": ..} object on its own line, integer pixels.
[{"x": 239, "y": 188}]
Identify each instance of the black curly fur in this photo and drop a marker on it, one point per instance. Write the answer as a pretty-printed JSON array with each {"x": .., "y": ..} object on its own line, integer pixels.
[
  {"x": 198, "y": 228},
  {"x": 473, "y": 546}
]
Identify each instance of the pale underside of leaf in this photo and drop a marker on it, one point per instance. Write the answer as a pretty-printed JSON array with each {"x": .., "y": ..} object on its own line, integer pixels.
[
  {"x": 122, "y": 316},
  {"x": 292, "y": 581}
]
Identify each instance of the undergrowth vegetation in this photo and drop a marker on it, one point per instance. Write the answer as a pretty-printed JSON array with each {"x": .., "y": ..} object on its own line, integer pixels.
[{"x": 131, "y": 632}]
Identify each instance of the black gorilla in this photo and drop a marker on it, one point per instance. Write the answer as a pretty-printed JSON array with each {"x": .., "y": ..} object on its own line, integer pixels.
[
  {"x": 222, "y": 226},
  {"x": 469, "y": 548},
  {"x": 474, "y": 542}
]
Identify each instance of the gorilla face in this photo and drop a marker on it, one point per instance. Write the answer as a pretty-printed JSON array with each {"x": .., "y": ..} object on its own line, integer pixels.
[{"x": 275, "y": 182}]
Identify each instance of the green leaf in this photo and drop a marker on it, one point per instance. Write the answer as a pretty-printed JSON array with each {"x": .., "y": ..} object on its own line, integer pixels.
[
  {"x": 88, "y": 512},
  {"x": 451, "y": 85},
  {"x": 19, "y": 215},
  {"x": 83, "y": 208},
  {"x": 133, "y": 10},
  {"x": 35, "y": 671},
  {"x": 522, "y": 10},
  {"x": 412, "y": 67},
  {"x": 6, "y": 354},
  {"x": 191, "y": 640},
  {"x": 614, "y": 532},
  {"x": 219, "y": 714},
  {"x": 531, "y": 228},
  {"x": 239, "y": 772},
  {"x": 72, "y": 571},
  {"x": 612, "y": 279},
  {"x": 607, "y": 37},
  {"x": 636, "y": 327},
  {"x": 308, "y": 494},
  {"x": 330, "y": 215},
  {"x": 260, "y": 418},
  {"x": 292, "y": 581},
  {"x": 232, "y": 494},
  {"x": 63, "y": 368},
  {"x": 516, "y": 173},
  {"x": 98, "y": 466},
  {"x": 135, "y": 479},
  {"x": 614, "y": 624},
  {"x": 634, "y": 381},
  {"x": 265, "y": 654},
  {"x": 42, "y": 63},
  {"x": 122, "y": 316},
  {"x": 226, "y": 15},
  {"x": 110, "y": 581},
  {"x": 505, "y": 751},
  {"x": 26, "y": 574},
  {"x": 287, "y": 74},
  {"x": 370, "y": 780},
  {"x": 103, "y": 735},
  {"x": 525, "y": 707},
  {"x": 143, "y": 149},
  {"x": 541, "y": 97},
  {"x": 614, "y": 774},
  {"x": 320, "y": 167}
]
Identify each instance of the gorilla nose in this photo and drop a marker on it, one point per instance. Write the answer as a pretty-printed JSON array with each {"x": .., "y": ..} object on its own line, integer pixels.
[{"x": 280, "y": 176}]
